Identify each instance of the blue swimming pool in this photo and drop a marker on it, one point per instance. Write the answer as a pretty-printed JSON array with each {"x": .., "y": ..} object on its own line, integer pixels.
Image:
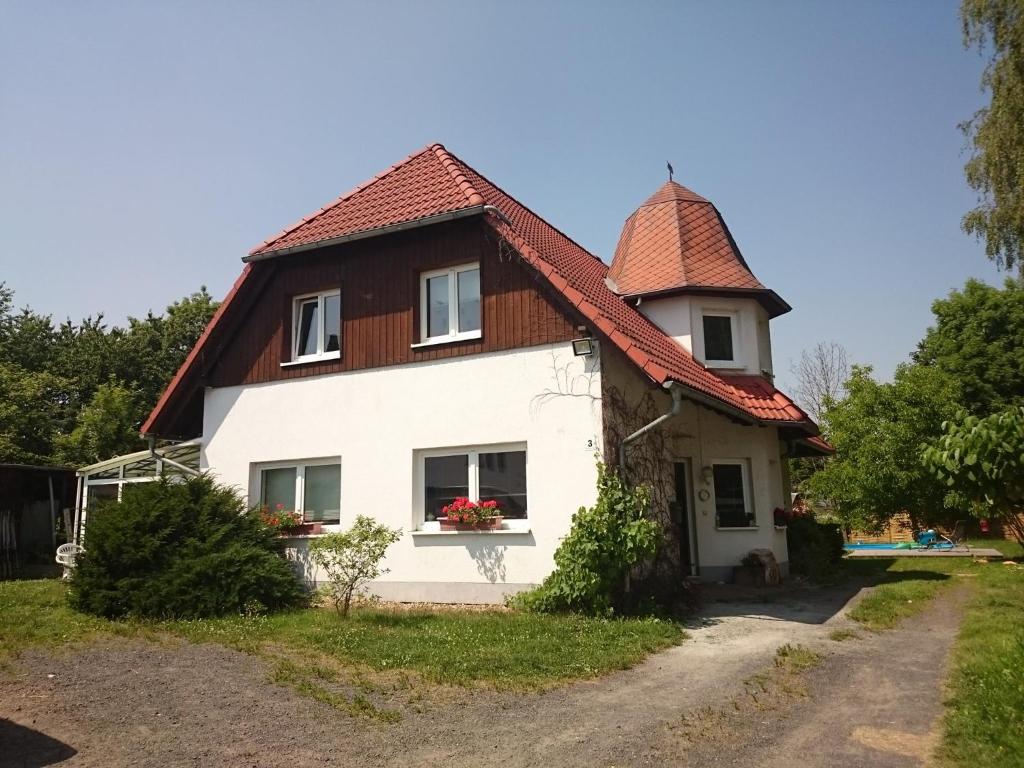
[{"x": 897, "y": 547}]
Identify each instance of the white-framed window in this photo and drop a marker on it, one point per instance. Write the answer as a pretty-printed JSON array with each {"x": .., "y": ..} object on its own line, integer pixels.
[
  {"x": 450, "y": 304},
  {"x": 310, "y": 487},
  {"x": 734, "y": 506},
  {"x": 721, "y": 338},
  {"x": 316, "y": 326},
  {"x": 480, "y": 473}
]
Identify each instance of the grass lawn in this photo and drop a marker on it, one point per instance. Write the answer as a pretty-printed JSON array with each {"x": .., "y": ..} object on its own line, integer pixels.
[
  {"x": 984, "y": 720},
  {"x": 984, "y": 724},
  {"x": 507, "y": 650}
]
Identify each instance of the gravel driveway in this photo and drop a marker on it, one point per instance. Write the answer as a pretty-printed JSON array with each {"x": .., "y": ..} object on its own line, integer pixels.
[{"x": 135, "y": 703}]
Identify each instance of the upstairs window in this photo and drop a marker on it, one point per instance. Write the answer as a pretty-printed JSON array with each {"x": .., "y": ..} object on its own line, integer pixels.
[
  {"x": 450, "y": 304},
  {"x": 719, "y": 338},
  {"x": 316, "y": 326}
]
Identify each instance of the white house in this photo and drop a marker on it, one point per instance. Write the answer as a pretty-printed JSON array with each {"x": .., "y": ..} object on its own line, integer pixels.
[{"x": 426, "y": 336}]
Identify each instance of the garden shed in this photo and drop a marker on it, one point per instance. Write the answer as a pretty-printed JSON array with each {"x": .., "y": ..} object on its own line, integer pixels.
[{"x": 35, "y": 514}]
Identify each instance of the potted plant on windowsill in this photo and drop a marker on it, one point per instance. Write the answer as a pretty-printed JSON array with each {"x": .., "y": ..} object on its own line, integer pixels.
[
  {"x": 288, "y": 523},
  {"x": 465, "y": 515},
  {"x": 781, "y": 518}
]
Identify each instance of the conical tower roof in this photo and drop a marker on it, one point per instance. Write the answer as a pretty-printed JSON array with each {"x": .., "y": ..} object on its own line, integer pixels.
[{"x": 678, "y": 242}]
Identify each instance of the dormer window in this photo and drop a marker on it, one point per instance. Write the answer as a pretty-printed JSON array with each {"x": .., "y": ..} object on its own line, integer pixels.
[
  {"x": 316, "y": 326},
  {"x": 450, "y": 304},
  {"x": 720, "y": 344}
]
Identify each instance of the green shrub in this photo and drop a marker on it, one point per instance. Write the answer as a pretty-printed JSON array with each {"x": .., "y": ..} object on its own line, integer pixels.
[
  {"x": 180, "y": 550},
  {"x": 593, "y": 563},
  {"x": 351, "y": 559},
  {"x": 815, "y": 549}
]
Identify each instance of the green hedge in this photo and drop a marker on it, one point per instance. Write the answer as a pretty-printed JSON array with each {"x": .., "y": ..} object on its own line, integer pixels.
[
  {"x": 815, "y": 549},
  {"x": 180, "y": 550}
]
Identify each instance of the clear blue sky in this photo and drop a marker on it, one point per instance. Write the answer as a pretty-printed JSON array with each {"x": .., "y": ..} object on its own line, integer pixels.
[{"x": 145, "y": 147}]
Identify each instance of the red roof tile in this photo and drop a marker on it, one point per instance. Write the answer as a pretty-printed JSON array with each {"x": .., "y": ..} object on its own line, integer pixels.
[
  {"x": 663, "y": 358},
  {"x": 678, "y": 240},
  {"x": 432, "y": 182},
  {"x": 427, "y": 183}
]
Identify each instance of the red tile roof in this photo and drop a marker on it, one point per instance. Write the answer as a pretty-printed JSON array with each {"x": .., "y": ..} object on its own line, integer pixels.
[
  {"x": 677, "y": 240},
  {"x": 427, "y": 183},
  {"x": 432, "y": 182}
]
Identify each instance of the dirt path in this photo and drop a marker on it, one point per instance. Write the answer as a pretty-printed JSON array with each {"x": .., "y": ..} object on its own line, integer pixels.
[
  {"x": 134, "y": 703},
  {"x": 877, "y": 702}
]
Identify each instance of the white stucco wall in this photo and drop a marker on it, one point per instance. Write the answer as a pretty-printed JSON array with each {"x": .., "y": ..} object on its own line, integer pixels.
[
  {"x": 706, "y": 438},
  {"x": 377, "y": 420},
  {"x": 699, "y": 436},
  {"x": 681, "y": 318}
]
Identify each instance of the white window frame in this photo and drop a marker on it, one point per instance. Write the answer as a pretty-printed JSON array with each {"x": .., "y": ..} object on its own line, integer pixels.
[
  {"x": 473, "y": 486},
  {"x": 748, "y": 496},
  {"x": 734, "y": 330},
  {"x": 300, "y": 466},
  {"x": 453, "y": 306},
  {"x": 320, "y": 354}
]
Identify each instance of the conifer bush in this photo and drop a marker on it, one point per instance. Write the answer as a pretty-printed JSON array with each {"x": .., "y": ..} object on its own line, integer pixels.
[{"x": 182, "y": 550}]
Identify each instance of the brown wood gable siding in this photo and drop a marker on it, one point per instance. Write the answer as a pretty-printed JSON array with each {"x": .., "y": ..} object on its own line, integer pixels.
[{"x": 380, "y": 296}]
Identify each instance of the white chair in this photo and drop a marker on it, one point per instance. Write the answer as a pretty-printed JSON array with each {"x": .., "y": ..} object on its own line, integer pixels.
[{"x": 66, "y": 554}]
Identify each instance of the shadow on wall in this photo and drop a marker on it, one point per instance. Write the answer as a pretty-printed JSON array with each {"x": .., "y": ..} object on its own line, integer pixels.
[
  {"x": 28, "y": 748},
  {"x": 302, "y": 563},
  {"x": 490, "y": 561},
  {"x": 485, "y": 550}
]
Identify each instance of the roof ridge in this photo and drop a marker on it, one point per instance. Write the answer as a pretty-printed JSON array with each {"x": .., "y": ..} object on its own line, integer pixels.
[
  {"x": 339, "y": 200},
  {"x": 450, "y": 164}
]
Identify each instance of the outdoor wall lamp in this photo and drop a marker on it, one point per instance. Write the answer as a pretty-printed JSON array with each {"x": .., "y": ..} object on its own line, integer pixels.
[{"x": 583, "y": 347}]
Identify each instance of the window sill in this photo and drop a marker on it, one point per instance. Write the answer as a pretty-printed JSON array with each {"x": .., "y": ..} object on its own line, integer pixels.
[
  {"x": 499, "y": 532},
  {"x": 731, "y": 365},
  {"x": 736, "y": 528},
  {"x": 312, "y": 359},
  {"x": 470, "y": 336},
  {"x": 327, "y": 528}
]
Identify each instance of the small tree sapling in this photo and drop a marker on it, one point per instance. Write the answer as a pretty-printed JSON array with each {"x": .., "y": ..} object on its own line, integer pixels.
[{"x": 351, "y": 559}]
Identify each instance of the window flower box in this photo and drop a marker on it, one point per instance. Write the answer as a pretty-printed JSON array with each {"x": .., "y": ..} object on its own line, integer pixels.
[
  {"x": 288, "y": 523},
  {"x": 303, "y": 529},
  {"x": 487, "y": 524},
  {"x": 465, "y": 515}
]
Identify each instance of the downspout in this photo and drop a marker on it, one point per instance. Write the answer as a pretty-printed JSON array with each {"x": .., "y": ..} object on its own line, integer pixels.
[
  {"x": 498, "y": 213},
  {"x": 172, "y": 462},
  {"x": 677, "y": 404},
  {"x": 80, "y": 489}
]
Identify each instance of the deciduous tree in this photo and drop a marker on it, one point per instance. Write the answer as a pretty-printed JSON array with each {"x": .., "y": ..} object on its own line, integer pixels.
[
  {"x": 978, "y": 339},
  {"x": 879, "y": 431},
  {"x": 996, "y": 132},
  {"x": 982, "y": 459},
  {"x": 820, "y": 374}
]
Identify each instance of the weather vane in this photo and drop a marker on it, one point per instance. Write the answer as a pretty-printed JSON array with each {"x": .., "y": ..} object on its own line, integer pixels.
[{"x": 669, "y": 171}]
